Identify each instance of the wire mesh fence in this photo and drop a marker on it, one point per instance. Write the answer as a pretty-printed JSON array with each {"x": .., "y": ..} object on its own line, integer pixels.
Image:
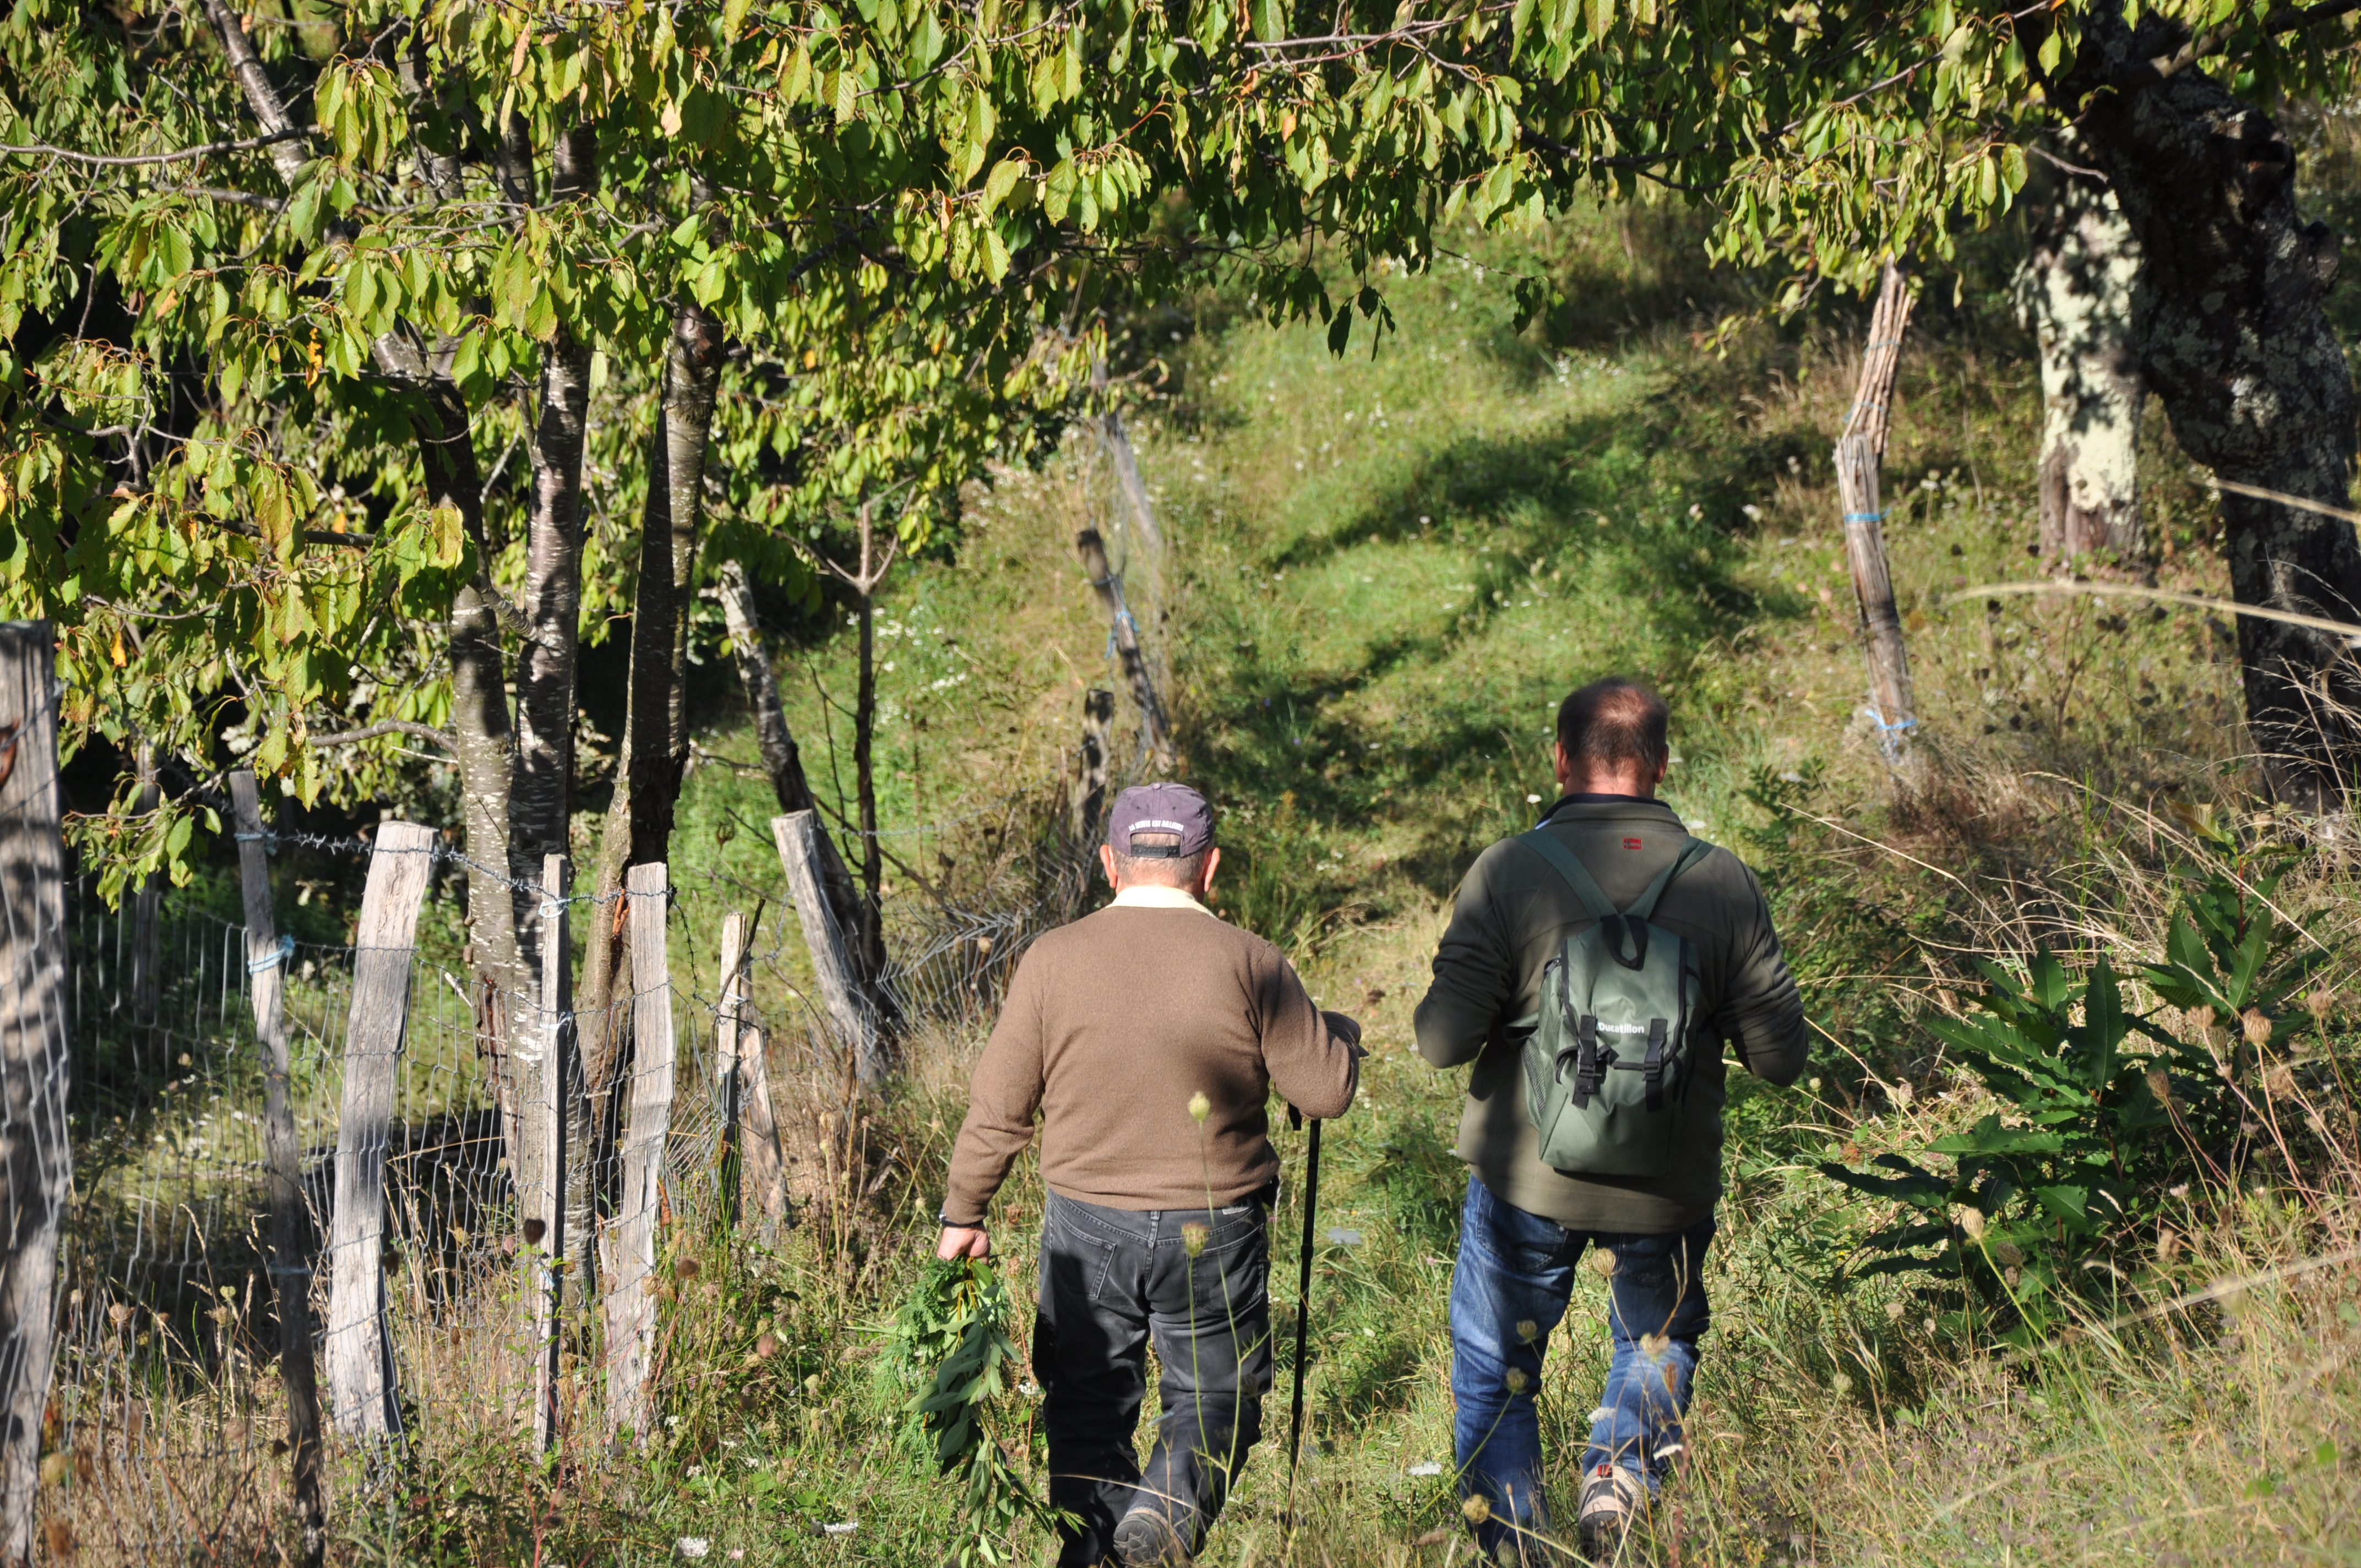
[{"x": 429, "y": 1286}]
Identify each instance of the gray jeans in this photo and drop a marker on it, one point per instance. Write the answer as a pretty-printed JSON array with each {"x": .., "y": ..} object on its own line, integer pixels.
[{"x": 1110, "y": 1279}]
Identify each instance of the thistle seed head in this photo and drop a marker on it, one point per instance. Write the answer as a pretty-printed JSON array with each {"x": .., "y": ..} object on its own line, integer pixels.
[
  {"x": 1527, "y": 1329},
  {"x": 1200, "y": 1107},
  {"x": 1478, "y": 1507},
  {"x": 1518, "y": 1380},
  {"x": 1653, "y": 1347},
  {"x": 2318, "y": 1004},
  {"x": 1193, "y": 1238},
  {"x": 1973, "y": 1222},
  {"x": 2009, "y": 1253},
  {"x": 2256, "y": 1028}
]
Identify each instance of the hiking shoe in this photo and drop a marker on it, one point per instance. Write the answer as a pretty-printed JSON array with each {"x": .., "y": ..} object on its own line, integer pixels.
[
  {"x": 1145, "y": 1540},
  {"x": 1613, "y": 1499}
]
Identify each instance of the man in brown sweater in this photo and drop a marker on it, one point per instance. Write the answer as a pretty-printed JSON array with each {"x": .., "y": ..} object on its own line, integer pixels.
[{"x": 1148, "y": 1038}]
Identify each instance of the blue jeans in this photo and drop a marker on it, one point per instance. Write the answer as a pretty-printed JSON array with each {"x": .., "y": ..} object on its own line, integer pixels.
[{"x": 1508, "y": 1290}]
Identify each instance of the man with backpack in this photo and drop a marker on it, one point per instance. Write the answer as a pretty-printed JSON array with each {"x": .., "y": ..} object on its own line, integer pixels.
[
  {"x": 1591, "y": 970},
  {"x": 1147, "y": 1038}
]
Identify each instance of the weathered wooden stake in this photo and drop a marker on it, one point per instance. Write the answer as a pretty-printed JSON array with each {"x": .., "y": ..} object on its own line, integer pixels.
[
  {"x": 35, "y": 1064},
  {"x": 758, "y": 1123},
  {"x": 1093, "y": 551},
  {"x": 1858, "y": 453},
  {"x": 631, "y": 1289},
  {"x": 1091, "y": 768},
  {"x": 361, "y": 1382},
  {"x": 542, "y": 1207},
  {"x": 849, "y": 1016},
  {"x": 737, "y": 937},
  {"x": 290, "y": 1273}
]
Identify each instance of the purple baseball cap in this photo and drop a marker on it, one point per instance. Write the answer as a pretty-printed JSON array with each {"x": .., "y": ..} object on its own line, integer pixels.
[{"x": 1160, "y": 808}]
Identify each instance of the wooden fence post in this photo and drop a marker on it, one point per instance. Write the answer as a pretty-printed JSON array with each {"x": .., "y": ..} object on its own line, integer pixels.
[
  {"x": 849, "y": 1014},
  {"x": 631, "y": 1290},
  {"x": 758, "y": 1129},
  {"x": 361, "y": 1386},
  {"x": 542, "y": 1209},
  {"x": 1093, "y": 551},
  {"x": 1090, "y": 774},
  {"x": 290, "y": 1274},
  {"x": 1858, "y": 454},
  {"x": 737, "y": 936},
  {"x": 35, "y": 1063}
]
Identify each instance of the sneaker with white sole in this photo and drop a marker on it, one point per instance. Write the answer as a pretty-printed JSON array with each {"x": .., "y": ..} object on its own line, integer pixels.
[
  {"x": 1613, "y": 1499},
  {"x": 1145, "y": 1539}
]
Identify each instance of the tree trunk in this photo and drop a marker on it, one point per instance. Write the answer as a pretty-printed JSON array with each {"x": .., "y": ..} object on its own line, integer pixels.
[
  {"x": 2075, "y": 292},
  {"x": 441, "y": 426},
  {"x": 781, "y": 758},
  {"x": 871, "y": 939},
  {"x": 2232, "y": 338},
  {"x": 655, "y": 736},
  {"x": 540, "y": 800}
]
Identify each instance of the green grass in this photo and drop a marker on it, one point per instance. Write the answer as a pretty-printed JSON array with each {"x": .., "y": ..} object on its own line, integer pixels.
[{"x": 1383, "y": 573}]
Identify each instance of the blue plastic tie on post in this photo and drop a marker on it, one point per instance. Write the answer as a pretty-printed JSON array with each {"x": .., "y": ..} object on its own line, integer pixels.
[
  {"x": 1864, "y": 517},
  {"x": 1889, "y": 736},
  {"x": 273, "y": 960}
]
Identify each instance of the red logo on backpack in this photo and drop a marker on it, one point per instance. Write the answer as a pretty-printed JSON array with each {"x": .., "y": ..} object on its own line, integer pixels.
[{"x": 1630, "y": 843}]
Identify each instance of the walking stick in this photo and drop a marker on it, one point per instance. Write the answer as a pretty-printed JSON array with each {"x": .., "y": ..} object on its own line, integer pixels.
[{"x": 1302, "y": 1304}]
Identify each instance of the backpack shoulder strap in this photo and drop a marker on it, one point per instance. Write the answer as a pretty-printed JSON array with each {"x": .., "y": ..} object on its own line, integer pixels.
[
  {"x": 1646, "y": 908},
  {"x": 1578, "y": 876}
]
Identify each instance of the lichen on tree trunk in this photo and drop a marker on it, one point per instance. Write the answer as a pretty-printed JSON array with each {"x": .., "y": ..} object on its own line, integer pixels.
[
  {"x": 2075, "y": 292},
  {"x": 2233, "y": 340}
]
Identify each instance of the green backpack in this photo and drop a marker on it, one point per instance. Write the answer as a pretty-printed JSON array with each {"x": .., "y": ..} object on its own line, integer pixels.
[{"x": 1609, "y": 1059}]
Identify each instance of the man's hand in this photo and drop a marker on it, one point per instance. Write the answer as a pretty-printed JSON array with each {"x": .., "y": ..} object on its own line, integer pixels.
[{"x": 963, "y": 1241}]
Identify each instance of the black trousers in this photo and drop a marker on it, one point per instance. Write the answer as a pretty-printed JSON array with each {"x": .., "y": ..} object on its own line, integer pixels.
[{"x": 1110, "y": 1280}]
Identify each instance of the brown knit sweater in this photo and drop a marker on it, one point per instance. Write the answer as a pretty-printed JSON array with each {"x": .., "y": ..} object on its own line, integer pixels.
[{"x": 1112, "y": 1025}]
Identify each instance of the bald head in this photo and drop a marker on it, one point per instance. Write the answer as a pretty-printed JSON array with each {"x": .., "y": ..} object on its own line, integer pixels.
[{"x": 1610, "y": 739}]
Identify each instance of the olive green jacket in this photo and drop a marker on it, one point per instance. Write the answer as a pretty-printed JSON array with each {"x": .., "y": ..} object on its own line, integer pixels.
[{"x": 1513, "y": 909}]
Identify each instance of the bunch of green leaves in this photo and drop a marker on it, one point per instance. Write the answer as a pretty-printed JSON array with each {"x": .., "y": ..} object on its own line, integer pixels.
[
  {"x": 952, "y": 1331},
  {"x": 2104, "y": 1109},
  {"x": 2033, "y": 1195},
  {"x": 2232, "y": 963}
]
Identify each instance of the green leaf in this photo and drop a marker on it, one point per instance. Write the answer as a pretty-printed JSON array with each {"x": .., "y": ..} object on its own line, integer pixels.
[
  {"x": 844, "y": 96},
  {"x": 733, "y": 19},
  {"x": 1270, "y": 21},
  {"x": 1340, "y": 329},
  {"x": 796, "y": 74},
  {"x": 1002, "y": 181}
]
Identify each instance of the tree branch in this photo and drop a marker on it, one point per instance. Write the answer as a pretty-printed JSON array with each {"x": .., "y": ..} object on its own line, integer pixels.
[
  {"x": 426, "y": 732},
  {"x": 105, "y": 161}
]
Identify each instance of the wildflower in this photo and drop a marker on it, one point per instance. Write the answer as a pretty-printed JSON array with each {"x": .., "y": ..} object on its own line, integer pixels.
[
  {"x": 1652, "y": 1347},
  {"x": 766, "y": 1345},
  {"x": 1527, "y": 1328},
  {"x": 2167, "y": 1244},
  {"x": 1193, "y": 1238},
  {"x": 842, "y": 1526},
  {"x": 2280, "y": 1082},
  {"x": 1517, "y": 1380},
  {"x": 687, "y": 1268},
  {"x": 2256, "y": 1028},
  {"x": 1426, "y": 1467},
  {"x": 2317, "y": 1005},
  {"x": 693, "y": 1545},
  {"x": 1200, "y": 1107},
  {"x": 1893, "y": 1310},
  {"x": 1602, "y": 1261},
  {"x": 1902, "y": 1094},
  {"x": 1478, "y": 1507}
]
